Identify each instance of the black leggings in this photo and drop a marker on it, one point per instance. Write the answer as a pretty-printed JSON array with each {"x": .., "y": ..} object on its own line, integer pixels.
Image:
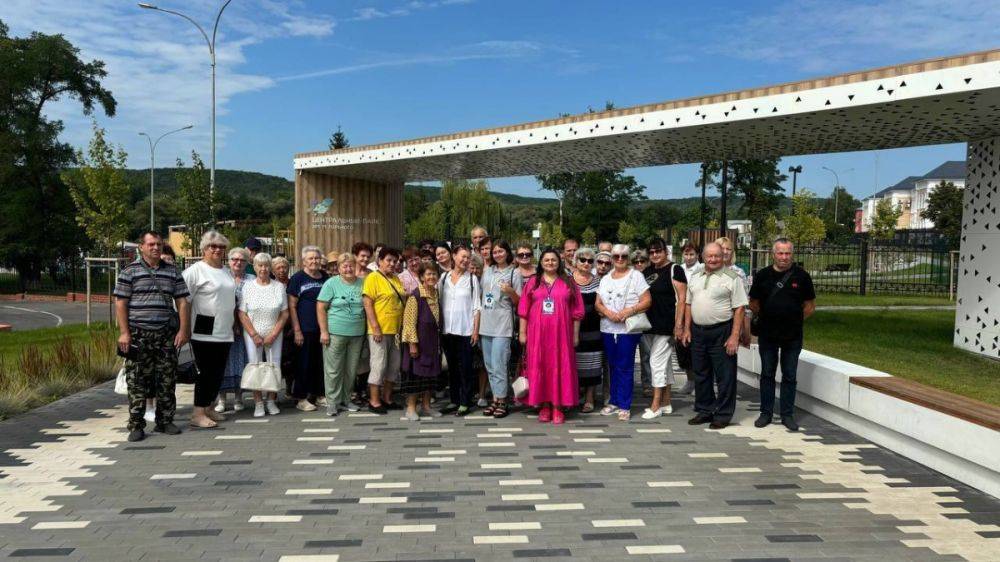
[
  {"x": 458, "y": 350},
  {"x": 210, "y": 357}
]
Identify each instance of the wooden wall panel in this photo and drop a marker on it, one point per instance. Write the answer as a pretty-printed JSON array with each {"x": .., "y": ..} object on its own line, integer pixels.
[{"x": 333, "y": 212}]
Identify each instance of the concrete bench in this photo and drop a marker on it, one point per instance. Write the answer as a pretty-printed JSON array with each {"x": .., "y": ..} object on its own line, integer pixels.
[{"x": 957, "y": 436}]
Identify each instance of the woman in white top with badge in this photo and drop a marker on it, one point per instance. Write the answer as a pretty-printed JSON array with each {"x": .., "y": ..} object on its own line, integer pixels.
[
  {"x": 623, "y": 294},
  {"x": 501, "y": 292},
  {"x": 460, "y": 305},
  {"x": 263, "y": 313},
  {"x": 213, "y": 303}
]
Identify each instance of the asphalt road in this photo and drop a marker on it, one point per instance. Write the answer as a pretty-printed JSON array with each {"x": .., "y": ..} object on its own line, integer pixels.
[{"x": 28, "y": 315}]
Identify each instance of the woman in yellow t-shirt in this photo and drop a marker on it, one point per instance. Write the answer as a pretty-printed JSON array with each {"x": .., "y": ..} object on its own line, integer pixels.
[{"x": 383, "y": 300}]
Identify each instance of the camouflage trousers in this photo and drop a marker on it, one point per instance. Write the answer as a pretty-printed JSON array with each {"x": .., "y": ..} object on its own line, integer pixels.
[{"x": 152, "y": 374}]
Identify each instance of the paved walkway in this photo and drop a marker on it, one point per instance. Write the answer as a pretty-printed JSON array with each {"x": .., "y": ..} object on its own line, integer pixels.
[
  {"x": 362, "y": 487},
  {"x": 29, "y": 315}
]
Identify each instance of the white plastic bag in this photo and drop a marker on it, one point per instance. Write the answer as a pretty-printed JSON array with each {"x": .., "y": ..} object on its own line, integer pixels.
[{"x": 121, "y": 384}]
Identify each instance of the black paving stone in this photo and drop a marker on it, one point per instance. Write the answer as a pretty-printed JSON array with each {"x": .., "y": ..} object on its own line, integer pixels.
[
  {"x": 608, "y": 536},
  {"x": 487, "y": 474},
  {"x": 577, "y": 485},
  {"x": 332, "y": 543},
  {"x": 542, "y": 553},
  {"x": 308, "y": 512},
  {"x": 515, "y": 507},
  {"x": 438, "y": 515},
  {"x": 26, "y": 552},
  {"x": 749, "y": 502},
  {"x": 776, "y": 486},
  {"x": 230, "y": 463},
  {"x": 146, "y": 510},
  {"x": 412, "y": 510},
  {"x": 193, "y": 533},
  {"x": 419, "y": 466},
  {"x": 640, "y": 467},
  {"x": 558, "y": 468},
  {"x": 333, "y": 501},
  {"x": 640, "y": 505},
  {"x": 793, "y": 538}
]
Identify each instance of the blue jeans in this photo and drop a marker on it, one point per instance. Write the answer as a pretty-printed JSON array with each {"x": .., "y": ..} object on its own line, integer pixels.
[
  {"x": 620, "y": 352},
  {"x": 768, "y": 367},
  {"x": 496, "y": 355}
]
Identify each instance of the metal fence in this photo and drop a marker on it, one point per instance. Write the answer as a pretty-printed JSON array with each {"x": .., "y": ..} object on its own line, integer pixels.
[{"x": 866, "y": 268}]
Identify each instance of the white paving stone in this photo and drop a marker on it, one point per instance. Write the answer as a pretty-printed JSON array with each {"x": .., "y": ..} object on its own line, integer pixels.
[
  {"x": 525, "y": 482},
  {"x": 201, "y": 453},
  {"x": 383, "y": 499},
  {"x": 608, "y": 459},
  {"x": 409, "y": 528},
  {"x": 321, "y": 430},
  {"x": 54, "y": 525},
  {"x": 233, "y": 437},
  {"x": 739, "y": 470},
  {"x": 675, "y": 484},
  {"x": 601, "y": 523},
  {"x": 592, "y": 440},
  {"x": 652, "y": 430},
  {"x": 434, "y": 459},
  {"x": 346, "y": 447},
  {"x": 496, "y": 465},
  {"x": 309, "y": 491},
  {"x": 174, "y": 476},
  {"x": 500, "y": 539},
  {"x": 386, "y": 485},
  {"x": 312, "y": 461},
  {"x": 498, "y": 444},
  {"x": 523, "y": 497},
  {"x": 708, "y": 455},
  {"x": 275, "y": 519},
  {"x": 516, "y": 526},
  {"x": 655, "y": 549},
  {"x": 558, "y": 506},
  {"x": 310, "y": 558},
  {"x": 316, "y": 438},
  {"x": 437, "y": 430},
  {"x": 575, "y": 453},
  {"x": 725, "y": 520},
  {"x": 360, "y": 477}
]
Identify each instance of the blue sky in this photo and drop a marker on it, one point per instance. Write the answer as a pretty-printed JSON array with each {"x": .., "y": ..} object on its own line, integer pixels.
[{"x": 290, "y": 71}]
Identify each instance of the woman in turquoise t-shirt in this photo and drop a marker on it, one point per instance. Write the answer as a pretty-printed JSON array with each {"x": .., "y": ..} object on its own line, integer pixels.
[{"x": 341, "y": 316}]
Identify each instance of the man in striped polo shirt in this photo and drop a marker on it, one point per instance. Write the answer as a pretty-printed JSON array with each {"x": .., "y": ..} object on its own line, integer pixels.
[{"x": 147, "y": 294}]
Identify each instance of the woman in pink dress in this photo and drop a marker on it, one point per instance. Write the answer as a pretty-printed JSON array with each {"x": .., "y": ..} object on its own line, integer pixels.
[{"x": 551, "y": 308}]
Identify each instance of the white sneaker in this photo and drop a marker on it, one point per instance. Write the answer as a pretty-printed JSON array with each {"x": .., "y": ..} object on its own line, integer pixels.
[
  {"x": 668, "y": 409},
  {"x": 350, "y": 407},
  {"x": 220, "y": 406},
  {"x": 258, "y": 410},
  {"x": 482, "y": 403},
  {"x": 272, "y": 408},
  {"x": 651, "y": 414},
  {"x": 609, "y": 409},
  {"x": 149, "y": 416},
  {"x": 410, "y": 416},
  {"x": 305, "y": 406},
  {"x": 321, "y": 402},
  {"x": 238, "y": 404}
]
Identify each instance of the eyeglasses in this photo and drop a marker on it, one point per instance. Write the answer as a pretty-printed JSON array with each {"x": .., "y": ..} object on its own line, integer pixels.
[
  {"x": 216, "y": 247},
  {"x": 585, "y": 260},
  {"x": 620, "y": 256},
  {"x": 237, "y": 259},
  {"x": 524, "y": 255},
  {"x": 655, "y": 251},
  {"x": 641, "y": 260},
  {"x": 602, "y": 262}
]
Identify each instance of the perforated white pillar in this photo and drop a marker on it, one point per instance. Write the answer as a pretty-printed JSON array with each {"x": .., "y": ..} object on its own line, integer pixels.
[{"x": 977, "y": 316}]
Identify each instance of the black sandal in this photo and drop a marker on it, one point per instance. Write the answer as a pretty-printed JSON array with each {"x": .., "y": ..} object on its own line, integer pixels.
[
  {"x": 488, "y": 411},
  {"x": 500, "y": 410}
]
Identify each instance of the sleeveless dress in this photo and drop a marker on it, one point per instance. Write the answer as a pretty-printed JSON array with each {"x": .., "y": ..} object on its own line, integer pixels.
[{"x": 590, "y": 351}]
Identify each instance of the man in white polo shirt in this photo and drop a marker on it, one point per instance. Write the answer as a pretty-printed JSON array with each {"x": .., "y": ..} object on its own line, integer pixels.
[{"x": 716, "y": 298}]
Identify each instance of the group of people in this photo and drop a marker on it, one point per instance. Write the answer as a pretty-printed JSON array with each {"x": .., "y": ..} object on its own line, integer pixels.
[{"x": 360, "y": 328}]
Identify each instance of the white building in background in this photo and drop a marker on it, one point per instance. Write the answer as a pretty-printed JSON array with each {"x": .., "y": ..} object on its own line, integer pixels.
[{"x": 912, "y": 194}]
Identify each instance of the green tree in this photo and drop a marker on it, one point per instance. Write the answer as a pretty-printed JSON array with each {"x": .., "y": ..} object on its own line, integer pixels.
[
  {"x": 551, "y": 235},
  {"x": 589, "y": 237},
  {"x": 837, "y": 213},
  {"x": 463, "y": 204},
  {"x": 100, "y": 192},
  {"x": 757, "y": 183},
  {"x": 628, "y": 233},
  {"x": 944, "y": 209},
  {"x": 883, "y": 226},
  {"x": 599, "y": 199},
  {"x": 195, "y": 198},
  {"x": 339, "y": 140},
  {"x": 38, "y": 228},
  {"x": 803, "y": 225}
]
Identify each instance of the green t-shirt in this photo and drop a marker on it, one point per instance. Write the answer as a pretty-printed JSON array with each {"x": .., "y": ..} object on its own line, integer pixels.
[{"x": 346, "y": 315}]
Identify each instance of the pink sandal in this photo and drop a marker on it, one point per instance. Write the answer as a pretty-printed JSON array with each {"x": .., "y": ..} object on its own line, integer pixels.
[
  {"x": 557, "y": 416},
  {"x": 545, "y": 414}
]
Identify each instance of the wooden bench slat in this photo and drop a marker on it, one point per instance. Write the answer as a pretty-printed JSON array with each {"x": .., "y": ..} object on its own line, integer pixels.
[{"x": 968, "y": 409}]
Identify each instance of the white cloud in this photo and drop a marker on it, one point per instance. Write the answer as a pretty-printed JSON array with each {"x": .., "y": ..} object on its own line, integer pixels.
[
  {"x": 826, "y": 36},
  {"x": 405, "y": 9},
  {"x": 484, "y": 50},
  {"x": 158, "y": 64}
]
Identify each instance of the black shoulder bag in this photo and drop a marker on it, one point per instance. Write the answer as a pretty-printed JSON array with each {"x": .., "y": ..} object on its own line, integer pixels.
[{"x": 755, "y": 320}]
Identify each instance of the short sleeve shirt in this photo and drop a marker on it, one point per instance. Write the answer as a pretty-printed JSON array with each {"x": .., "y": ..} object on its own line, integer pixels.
[
  {"x": 713, "y": 297},
  {"x": 263, "y": 304},
  {"x": 306, "y": 288},
  {"x": 661, "y": 289},
  {"x": 618, "y": 294},
  {"x": 387, "y": 299},
  {"x": 781, "y": 309},
  {"x": 496, "y": 317},
  {"x": 147, "y": 308},
  {"x": 346, "y": 314}
]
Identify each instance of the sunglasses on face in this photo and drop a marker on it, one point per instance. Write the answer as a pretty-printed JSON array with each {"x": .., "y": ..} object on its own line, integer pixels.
[
  {"x": 216, "y": 247},
  {"x": 585, "y": 260},
  {"x": 604, "y": 263},
  {"x": 640, "y": 260},
  {"x": 524, "y": 255},
  {"x": 654, "y": 251},
  {"x": 620, "y": 256},
  {"x": 237, "y": 259}
]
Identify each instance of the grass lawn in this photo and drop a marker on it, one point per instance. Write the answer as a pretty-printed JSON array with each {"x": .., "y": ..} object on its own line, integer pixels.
[
  {"x": 847, "y": 299},
  {"x": 39, "y": 366},
  {"x": 911, "y": 344}
]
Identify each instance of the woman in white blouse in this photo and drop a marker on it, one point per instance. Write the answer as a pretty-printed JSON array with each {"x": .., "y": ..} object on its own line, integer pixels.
[
  {"x": 460, "y": 304},
  {"x": 213, "y": 303},
  {"x": 623, "y": 293},
  {"x": 263, "y": 313}
]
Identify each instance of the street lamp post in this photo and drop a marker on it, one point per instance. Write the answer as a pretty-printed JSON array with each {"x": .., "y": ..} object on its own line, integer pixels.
[
  {"x": 211, "y": 52},
  {"x": 795, "y": 171},
  {"x": 836, "y": 192},
  {"x": 152, "y": 161}
]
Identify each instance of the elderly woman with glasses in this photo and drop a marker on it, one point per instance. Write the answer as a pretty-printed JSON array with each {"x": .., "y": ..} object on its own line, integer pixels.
[
  {"x": 238, "y": 258},
  {"x": 623, "y": 293},
  {"x": 589, "y": 350},
  {"x": 303, "y": 291},
  {"x": 263, "y": 311},
  {"x": 213, "y": 311}
]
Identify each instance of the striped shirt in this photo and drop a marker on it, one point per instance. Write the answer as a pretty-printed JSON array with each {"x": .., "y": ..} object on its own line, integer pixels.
[{"x": 147, "y": 310}]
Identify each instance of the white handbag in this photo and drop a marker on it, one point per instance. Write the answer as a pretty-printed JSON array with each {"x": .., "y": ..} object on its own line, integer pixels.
[
  {"x": 637, "y": 323},
  {"x": 121, "y": 383},
  {"x": 263, "y": 376},
  {"x": 520, "y": 386}
]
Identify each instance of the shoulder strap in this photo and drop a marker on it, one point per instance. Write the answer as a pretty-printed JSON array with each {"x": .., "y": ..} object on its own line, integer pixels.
[
  {"x": 389, "y": 281},
  {"x": 155, "y": 284},
  {"x": 780, "y": 284}
]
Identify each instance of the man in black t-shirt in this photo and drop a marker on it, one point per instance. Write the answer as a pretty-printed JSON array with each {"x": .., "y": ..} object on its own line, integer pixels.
[{"x": 781, "y": 298}]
